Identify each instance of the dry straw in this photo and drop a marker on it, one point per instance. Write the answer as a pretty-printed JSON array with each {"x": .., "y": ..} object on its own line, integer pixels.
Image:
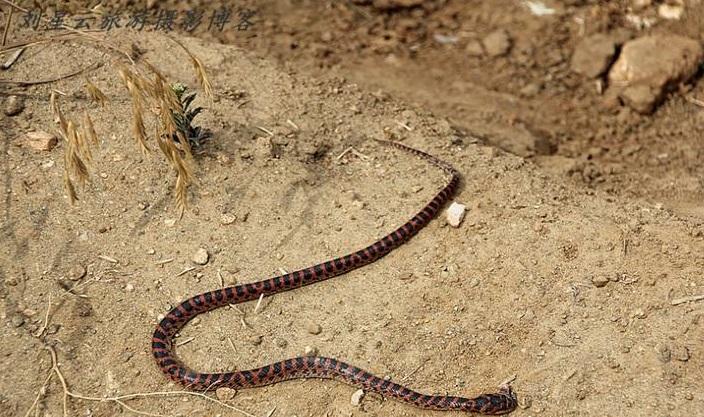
[{"x": 148, "y": 88}]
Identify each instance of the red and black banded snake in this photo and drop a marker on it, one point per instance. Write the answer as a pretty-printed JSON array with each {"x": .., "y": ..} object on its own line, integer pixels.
[{"x": 502, "y": 402}]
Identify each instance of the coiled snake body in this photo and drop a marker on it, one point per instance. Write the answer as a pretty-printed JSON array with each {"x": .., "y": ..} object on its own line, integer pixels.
[{"x": 318, "y": 367}]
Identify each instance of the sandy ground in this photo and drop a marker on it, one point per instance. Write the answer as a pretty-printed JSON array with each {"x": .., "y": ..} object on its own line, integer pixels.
[{"x": 568, "y": 287}]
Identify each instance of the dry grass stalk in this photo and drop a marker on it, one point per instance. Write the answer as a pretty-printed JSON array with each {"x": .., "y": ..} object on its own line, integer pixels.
[
  {"x": 77, "y": 152},
  {"x": 199, "y": 69},
  {"x": 95, "y": 94}
]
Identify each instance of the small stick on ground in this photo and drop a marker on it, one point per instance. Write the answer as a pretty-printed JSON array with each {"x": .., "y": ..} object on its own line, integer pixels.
[
  {"x": 694, "y": 101},
  {"x": 232, "y": 345},
  {"x": 403, "y": 125},
  {"x": 41, "y": 330},
  {"x": 265, "y": 130},
  {"x": 293, "y": 125},
  {"x": 120, "y": 400},
  {"x": 164, "y": 261},
  {"x": 259, "y": 303},
  {"x": 108, "y": 258},
  {"x": 185, "y": 342},
  {"x": 185, "y": 271},
  {"x": 8, "y": 22},
  {"x": 690, "y": 299},
  {"x": 354, "y": 152}
]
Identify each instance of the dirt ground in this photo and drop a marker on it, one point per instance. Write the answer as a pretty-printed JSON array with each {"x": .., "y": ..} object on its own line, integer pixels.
[{"x": 569, "y": 271}]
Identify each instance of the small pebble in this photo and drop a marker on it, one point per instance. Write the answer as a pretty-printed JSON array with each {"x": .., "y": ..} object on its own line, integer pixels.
[
  {"x": 256, "y": 340},
  {"x": 357, "y": 397},
  {"x": 129, "y": 287},
  {"x": 310, "y": 351},
  {"x": 600, "y": 281},
  {"x": 14, "y": 105},
  {"x": 126, "y": 356},
  {"x": 76, "y": 272},
  {"x": 17, "y": 320},
  {"x": 200, "y": 257},
  {"x": 455, "y": 214},
  {"x": 228, "y": 218},
  {"x": 170, "y": 222},
  {"x": 225, "y": 394},
  {"x": 314, "y": 328},
  {"x": 41, "y": 141}
]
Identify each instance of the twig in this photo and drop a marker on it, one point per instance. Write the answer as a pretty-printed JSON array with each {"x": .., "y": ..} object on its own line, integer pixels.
[
  {"x": 8, "y": 22},
  {"x": 51, "y": 80},
  {"x": 295, "y": 126},
  {"x": 164, "y": 261},
  {"x": 122, "y": 398},
  {"x": 265, "y": 130},
  {"x": 232, "y": 345},
  {"x": 185, "y": 342},
  {"x": 259, "y": 303},
  {"x": 42, "y": 391},
  {"x": 403, "y": 125},
  {"x": 46, "y": 319},
  {"x": 690, "y": 299},
  {"x": 108, "y": 258},
  {"x": 354, "y": 152},
  {"x": 694, "y": 101},
  {"x": 185, "y": 271},
  {"x": 413, "y": 371}
]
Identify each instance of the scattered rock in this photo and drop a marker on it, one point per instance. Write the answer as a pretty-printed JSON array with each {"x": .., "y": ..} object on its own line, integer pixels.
[
  {"x": 76, "y": 272},
  {"x": 201, "y": 257},
  {"x": 497, "y": 43},
  {"x": 680, "y": 353},
  {"x": 263, "y": 147},
  {"x": 256, "y": 340},
  {"x": 228, "y": 218},
  {"x": 170, "y": 222},
  {"x": 474, "y": 48},
  {"x": 600, "y": 281},
  {"x": 41, "y": 141},
  {"x": 129, "y": 287},
  {"x": 671, "y": 11},
  {"x": 17, "y": 320},
  {"x": 310, "y": 351},
  {"x": 641, "y": 98},
  {"x": 664, "y": 353},
  {"x": 126, "y": 356},
  {"x": 677, "y": 60},
  {"x": 357, "y": 397},
  {"x": 314, "y": 328},
  {"x": 593, "y": 55},
  {"x": 455, "y": 214},
  {"x": 14, "y": 105},
  {"x": 225, "y": 394}
]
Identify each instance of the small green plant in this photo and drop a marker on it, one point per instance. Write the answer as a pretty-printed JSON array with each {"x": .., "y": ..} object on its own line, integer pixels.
[{"x": 184, "y": 119}]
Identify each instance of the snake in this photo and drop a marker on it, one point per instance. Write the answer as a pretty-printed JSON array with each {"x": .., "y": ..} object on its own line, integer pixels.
[{"x": 501, "y": 402}]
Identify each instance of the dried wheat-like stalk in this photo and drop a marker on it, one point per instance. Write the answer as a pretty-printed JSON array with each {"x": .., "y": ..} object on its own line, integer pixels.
[
  {"x": 95, "y": 94},
  {"x": 89, "y": 129},
  {"x": 77, "y": 152},
  {"x": 199, "y": 69}
]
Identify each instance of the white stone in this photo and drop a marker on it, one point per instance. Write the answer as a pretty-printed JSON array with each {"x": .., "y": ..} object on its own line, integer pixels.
[
  {"x": 357, "y": 397},
  {"x": 455, "y": 214}
]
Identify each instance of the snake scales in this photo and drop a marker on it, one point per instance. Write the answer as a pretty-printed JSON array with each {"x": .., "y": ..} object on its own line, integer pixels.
[{"x": 501, "y": 402}]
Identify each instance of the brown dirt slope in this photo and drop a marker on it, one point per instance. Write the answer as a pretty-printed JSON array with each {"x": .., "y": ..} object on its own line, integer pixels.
[{"x": 509, "y": 292}]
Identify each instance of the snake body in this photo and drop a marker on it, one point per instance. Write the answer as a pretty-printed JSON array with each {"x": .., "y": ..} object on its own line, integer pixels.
[{"x": 502, "y": 402}]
